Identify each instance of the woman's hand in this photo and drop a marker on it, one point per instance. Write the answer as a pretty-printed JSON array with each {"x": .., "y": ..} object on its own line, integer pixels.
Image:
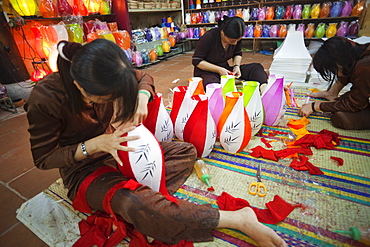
[
  {"x": 305, "y": 110},
  {"x": 237, "y": 72},
  {"x": 222, "y": 71},
  {"x": 111, "y": 143}
]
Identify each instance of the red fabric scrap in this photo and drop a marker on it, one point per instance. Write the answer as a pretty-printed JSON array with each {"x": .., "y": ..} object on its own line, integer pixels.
[
  {"x": 264, "y": 153},
  {"x": 291, "y": 151},
  {"x": 337, "y": 159},
  {"x": 266, "y": 142},
  {"x": 304, "y": 165},
  {"x": 97, "y": 229},
  {"x": 324, "y": 139},
  {"x": 277, "y": 209}
]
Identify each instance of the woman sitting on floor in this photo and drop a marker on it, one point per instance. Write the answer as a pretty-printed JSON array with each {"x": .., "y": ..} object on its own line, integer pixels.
[
  {"x": 343, "y": 61},
  {"x": 71, "y": 118}
]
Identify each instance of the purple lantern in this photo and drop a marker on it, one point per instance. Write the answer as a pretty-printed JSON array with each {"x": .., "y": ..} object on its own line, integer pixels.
[
  {"x": 254, "y": 14},
  {"x": 297, "y": 13},
  {"x": 261, "y": 14},
  {"x": 347, "y": 8},
  {"x": 250, "y": 31},
  {"x": 300, "y": 27},
  {"x": 343, "y": 29},
  {"x": 273, "y": 31},
  {"x": 265, "y": 31},
  {"x": 353, "y": 29}
]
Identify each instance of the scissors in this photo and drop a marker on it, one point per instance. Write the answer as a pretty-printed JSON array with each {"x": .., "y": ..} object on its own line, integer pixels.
[{"x": 258, "y": 187}]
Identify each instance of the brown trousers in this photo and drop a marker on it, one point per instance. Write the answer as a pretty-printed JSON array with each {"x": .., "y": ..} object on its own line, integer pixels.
[{"x": 149, "y": 211}]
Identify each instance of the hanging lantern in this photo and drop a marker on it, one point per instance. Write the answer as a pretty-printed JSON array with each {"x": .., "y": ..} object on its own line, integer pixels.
[
  {"x": 24, "y": 7},
  {"x": 93, "y": 6},
  {"x": 39, "y": 71}
]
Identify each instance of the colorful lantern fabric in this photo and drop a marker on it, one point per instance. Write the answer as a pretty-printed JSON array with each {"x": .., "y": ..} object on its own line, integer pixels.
[
  {"x": 215, "y": 100},
  {"x": 158, "y": 120},
  {"x": 347, "y": 9},
  {"x": 75, "y": 33},
  {"x": 146, "y": 164},
  {"x": 274, "y": 101},
  {"x": 315, "y": 10},
  {"x": 228, "y": 84},
  {"x": 48, "y": 9},
  {"x": 79, "y": 8},
  {"x": 64, "y": 9},
  {"x": 234, "y": 126},
  {"x": 325, "y": 10},
  {"x": 253, "y": 105},
  {"x": 200, "y": 129},
  {"x": 24, "y": 7},
  {"x": 332, "y": 30}
]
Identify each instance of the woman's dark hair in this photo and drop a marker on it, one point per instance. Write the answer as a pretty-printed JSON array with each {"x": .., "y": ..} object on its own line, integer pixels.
[
  {"x": 233, "y": 27},
  {"x": 337, "y": 51},
  {"x": 101, "y": 68}
]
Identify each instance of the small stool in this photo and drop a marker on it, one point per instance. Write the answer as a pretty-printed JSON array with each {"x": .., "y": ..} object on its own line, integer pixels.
[{"x": 6, "y": 103}]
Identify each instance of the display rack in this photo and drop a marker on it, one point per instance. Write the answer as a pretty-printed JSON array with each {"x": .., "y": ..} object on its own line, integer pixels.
[{"x": 256, "y": 41}]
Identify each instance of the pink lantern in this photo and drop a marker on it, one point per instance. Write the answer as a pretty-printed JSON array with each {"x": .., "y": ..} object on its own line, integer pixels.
[
  {"x": 216, "y": 101},
  {"x": 274, "y": 101},
  {"x": 234, "y": 126},
  {"x": 200, "y": 129},
  {"x": 158, "y": 120}
]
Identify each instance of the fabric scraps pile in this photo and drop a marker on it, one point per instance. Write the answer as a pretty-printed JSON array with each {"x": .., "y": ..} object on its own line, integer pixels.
[{"x": 301, "y": 146}]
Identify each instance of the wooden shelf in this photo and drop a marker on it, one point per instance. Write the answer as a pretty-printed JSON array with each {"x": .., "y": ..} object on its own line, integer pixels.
[
  {"x": 85, "y": 18},
  {"x": 152, "y": 10}
]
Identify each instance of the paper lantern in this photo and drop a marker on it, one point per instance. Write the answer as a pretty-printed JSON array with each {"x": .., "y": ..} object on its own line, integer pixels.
[
  {"x": 253, "y": 105},
  {"x": 315, "y": 10},
  {"x": 200, "y": 128},
  {"x": 234, "y": 126},
  {"x": 158, "y": 120},
  {"x": 64, "y": 9},
  {"x": 183, "y": 105},
  {"x": 332, "y": 30},
  {"x": 178, "y": 97},
  {"x": 48, "y": 9},
  {"x": 274, "y": 101},
  {"x": 38, "y": 41},
  {"x": 24, "y": 7},
  {"x": 105, "y": 8},
  {"x": 38, "y": 74},
  {"x": 79, "y": 8},
  {"x": 146, "y": 164},
  {"x": 227, "y": 84},
  {"x": 93, "y": 6},
  {"x": 216, "y": 101},
  {"x": 75, "y": 33}
]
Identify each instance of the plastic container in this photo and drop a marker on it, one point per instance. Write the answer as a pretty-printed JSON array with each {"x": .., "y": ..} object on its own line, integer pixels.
[
  {"x": 202, "y": 171},
  {"x": 358, "y": 233}
]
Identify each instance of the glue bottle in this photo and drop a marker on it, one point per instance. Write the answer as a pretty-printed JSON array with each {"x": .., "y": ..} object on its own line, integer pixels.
[
  {"x": 358, "y": 233},
  {"x": 202, "y": 171}
]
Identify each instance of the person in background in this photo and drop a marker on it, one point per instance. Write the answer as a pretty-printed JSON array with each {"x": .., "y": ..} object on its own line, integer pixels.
[
  {"x": 219, "y": 45},
  {"x": 341, "y": 61},
  {"x": 72, "y": 114}
]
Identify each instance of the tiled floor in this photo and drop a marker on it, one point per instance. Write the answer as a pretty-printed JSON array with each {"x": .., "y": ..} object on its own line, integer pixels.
[{"x": 20, "y": 180}]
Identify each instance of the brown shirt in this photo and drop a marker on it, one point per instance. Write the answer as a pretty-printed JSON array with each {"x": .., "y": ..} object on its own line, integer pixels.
[
  {"x": 56, "y": 132},
  {"x": 209, "y": 48},
  {"x": 357, "y": 98}
]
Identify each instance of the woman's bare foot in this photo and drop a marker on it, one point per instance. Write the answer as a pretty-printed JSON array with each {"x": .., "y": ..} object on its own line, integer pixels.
[
  {"x": 263, "y": 235},
  {"x": 245, "y": 220},
  {"x": 324, "y": 95}
]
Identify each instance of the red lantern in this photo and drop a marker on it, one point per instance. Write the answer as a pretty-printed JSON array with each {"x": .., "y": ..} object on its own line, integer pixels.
[{"x": 39, "y": 72}]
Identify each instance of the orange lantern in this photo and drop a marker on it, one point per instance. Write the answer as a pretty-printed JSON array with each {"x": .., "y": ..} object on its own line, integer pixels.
[
  {"x": 48, "y": 9},
  {"x": 24, "y": 7},
  {"x": 153, "y": 55},
  {"x": 172, "y": 40}
]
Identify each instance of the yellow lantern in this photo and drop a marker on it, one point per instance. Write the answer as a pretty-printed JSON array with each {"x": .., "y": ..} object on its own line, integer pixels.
[
  {"x": 24, "y": 7},
  {"x": 93, "y": 6}
]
